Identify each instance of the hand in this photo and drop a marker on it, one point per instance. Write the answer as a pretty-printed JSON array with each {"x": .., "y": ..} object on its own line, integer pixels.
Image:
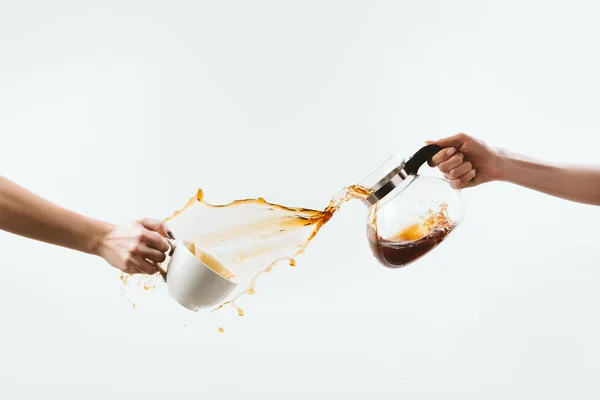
[
  {"x": 466, "y": 161},
  {"x": 137, "y": 247}
]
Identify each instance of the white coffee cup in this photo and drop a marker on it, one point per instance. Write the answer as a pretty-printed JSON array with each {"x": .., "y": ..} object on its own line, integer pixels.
[{"x": 192, "y": 280}]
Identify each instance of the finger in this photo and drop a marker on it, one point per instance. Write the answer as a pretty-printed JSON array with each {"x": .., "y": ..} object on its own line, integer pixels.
[
  {"x": 452, "y": 141},
  {"x": 144, "y": 266},
  {"x": 462, "y": 182},
  {"x": 441, "y": 156},
  {"x": 451, "y": 163},
  {"x": 151, "y": 254},
  {"x": 155, "y": 241},
  {"x": 157, "y": 226},
  {"x": 459, "y": 171}
]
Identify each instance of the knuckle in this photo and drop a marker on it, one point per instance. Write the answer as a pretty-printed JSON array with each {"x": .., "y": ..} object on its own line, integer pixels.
[
  {"x": 137, "y": 247},
  {"x": 457, "y": 158},
  {"x": 161, "y": 257},
  {"x": 161, "y": 243},
  {"x": 137, "y": 250},
  {"x": 145, "y": 236},
  {"x": 139, "y": 238},
  {"x": 150, "y": 269},
  {"x": 129, "y": 260}
]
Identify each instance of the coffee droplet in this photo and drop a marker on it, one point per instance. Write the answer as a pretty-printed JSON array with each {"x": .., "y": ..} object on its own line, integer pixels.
[
  {"x": 221, "y": 330},
  {"x": 239, "y": 311}
]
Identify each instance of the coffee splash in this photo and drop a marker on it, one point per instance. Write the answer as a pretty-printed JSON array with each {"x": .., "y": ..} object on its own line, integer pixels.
[
  {"x": 250, "y": 237},
  {"x": 412, "y": 242},
  {"x": 432, "y": 221}
]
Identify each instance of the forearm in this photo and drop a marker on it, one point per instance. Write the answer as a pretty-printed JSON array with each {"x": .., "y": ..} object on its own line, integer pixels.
[
  {"x": 26, "y": 214},
  {"x": 575, "y": 182}
]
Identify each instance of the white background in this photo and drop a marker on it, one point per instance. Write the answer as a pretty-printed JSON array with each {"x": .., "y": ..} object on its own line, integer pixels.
[{"x": 122, "y": 110}]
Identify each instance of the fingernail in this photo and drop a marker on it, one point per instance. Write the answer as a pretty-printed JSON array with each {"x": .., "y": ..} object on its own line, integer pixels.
[
  {"x": 451, "y": 151},
  {"x": 170, "y": 234}
]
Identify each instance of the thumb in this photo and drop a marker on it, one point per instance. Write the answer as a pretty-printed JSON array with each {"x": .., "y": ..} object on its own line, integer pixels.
[
  {"x": 157, "y": 226},
  {"x": 455, "y": 141}
]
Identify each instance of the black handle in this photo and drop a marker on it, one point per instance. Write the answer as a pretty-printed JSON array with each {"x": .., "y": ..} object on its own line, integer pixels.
[{"x": 421, "y": 157}]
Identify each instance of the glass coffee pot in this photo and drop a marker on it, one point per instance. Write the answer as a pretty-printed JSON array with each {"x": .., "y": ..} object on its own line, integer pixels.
[{"x": 409, "y": 214}]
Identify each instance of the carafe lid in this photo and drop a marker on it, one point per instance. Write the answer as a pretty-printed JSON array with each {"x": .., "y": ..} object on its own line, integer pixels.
[
  {"x": 394, "y": 172},
  {"x": 380, "y": 186}
]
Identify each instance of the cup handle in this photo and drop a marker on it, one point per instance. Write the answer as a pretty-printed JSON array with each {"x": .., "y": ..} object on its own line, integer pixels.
[{"x": 162, "y": 270}]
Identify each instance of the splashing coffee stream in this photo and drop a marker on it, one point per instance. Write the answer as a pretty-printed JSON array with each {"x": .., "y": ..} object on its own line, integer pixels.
[{"x": 251, "y": 236}]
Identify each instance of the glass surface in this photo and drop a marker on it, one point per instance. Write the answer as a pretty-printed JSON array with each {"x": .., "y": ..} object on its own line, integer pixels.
[
  {"x": 413, "y": 219},
  {"x": 395, "y": 162}
]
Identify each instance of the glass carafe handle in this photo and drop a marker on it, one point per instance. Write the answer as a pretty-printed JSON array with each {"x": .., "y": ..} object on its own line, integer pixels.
[{"x": 421, "y": 157}]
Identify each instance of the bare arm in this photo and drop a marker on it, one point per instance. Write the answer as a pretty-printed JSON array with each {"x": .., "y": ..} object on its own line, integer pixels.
[
  {"x": 575, "y": 182},
  {"x": 26, "y": 214},
  {"x": 467, "y": 161},
  {"x": 132, "y": 248}
]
